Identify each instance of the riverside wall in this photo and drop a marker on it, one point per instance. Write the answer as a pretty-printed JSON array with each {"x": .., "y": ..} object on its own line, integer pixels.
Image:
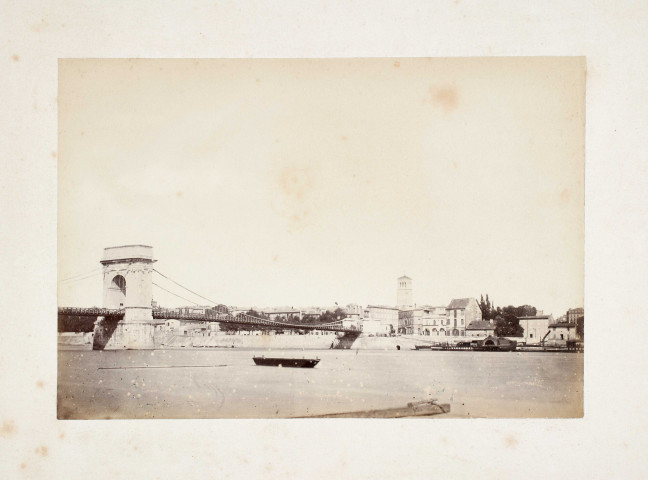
[
  {"x": 315, "y": 342},
  {"x": 311, "y": 342}
]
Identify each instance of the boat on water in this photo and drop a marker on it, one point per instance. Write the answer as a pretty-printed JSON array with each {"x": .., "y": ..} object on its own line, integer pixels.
[
  {"x": 422, "y": 347},
  {"x": 286, "y": 362},
  {"x": 495, "y": 344}
]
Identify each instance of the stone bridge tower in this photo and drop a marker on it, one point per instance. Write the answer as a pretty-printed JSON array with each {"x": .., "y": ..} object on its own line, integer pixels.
[{"x": 128, "y": 285}]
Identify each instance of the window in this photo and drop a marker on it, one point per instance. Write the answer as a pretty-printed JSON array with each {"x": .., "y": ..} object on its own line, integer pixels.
[{"x": 531, "y": 335}]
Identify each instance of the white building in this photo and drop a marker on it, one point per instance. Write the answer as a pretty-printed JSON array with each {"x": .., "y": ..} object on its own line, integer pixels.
[
  {"x": 387, "y": 316},
  {"x": 560, "y": 333},
  {"x": 354, "y": 310},
  {"x": 372, "y": 327},
  {"x": 353, "y": 323},
  {"x": 536, "y": 327},
  {"x": 282, "y": 312}
]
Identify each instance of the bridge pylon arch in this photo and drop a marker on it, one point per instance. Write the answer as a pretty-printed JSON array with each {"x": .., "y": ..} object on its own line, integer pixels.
[{"x": 127, "y": 285}]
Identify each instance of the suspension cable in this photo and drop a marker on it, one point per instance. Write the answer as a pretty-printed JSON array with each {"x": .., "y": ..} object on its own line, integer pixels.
[
  {"x": 74, "y": 279},
  {"x": 205, "y": 298},
  {"x": 179, "y": 296}
]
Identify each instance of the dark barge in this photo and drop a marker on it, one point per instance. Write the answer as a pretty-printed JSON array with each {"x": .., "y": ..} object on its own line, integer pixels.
[{"x": 286, "y": 362}]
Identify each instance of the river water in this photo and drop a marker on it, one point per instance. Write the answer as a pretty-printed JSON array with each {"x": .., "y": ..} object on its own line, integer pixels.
[{"x": 222, "y": 383}]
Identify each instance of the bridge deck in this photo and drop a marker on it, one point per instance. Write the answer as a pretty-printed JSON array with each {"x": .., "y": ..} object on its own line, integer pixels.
[{"x": 242, "y": 319}]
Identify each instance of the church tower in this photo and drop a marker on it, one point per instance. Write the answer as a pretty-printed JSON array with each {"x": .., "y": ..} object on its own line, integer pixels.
[{"x": 404, "y": 296}]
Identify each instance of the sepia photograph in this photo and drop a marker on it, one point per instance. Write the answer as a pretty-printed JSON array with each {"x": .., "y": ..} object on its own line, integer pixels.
[{"x": 321, "y": 238}]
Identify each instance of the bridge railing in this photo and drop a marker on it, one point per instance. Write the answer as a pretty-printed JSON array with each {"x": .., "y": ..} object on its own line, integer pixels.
[
  {"x": 91, "y": 312},
  {"x": 245, "y": 319},
  {"x": 208, "y": 316}
]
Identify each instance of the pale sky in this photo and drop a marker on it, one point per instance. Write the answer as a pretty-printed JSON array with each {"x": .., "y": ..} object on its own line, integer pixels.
[{"x": 310, "y": 182}]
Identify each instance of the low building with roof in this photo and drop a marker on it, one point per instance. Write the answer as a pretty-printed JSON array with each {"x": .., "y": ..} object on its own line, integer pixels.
[
  {"x": 480, "y": 328},
  {"x": 561, "y": 332}
]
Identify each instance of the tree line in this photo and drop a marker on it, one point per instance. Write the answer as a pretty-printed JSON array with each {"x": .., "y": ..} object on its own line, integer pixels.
[
  {"x": 77, "y": 324},
  {"x": 506, "y": 319}
]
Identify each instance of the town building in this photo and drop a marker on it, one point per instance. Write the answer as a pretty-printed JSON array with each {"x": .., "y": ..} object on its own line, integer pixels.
[
  {"x": 423, "y": 320},
  {"x": 354, "y": 310},
  {"x": 234, "y": 310},
  {"x": 193, "y": 310},
  {"x": 352, "y": 323},
  {"x": 282, "y": 313},
  {"x": 409, "y": 321},
  {"x": 561, "y": 332},
  {"x": 432, "y": 319},
  {"x": 536, "y": 327},
  {"x": 459, "y": 314},
  {"x": 371, "y": 327},
  {"x": 573, "y": 314},
  {"x": 387, "y": 316},
  {"x": 171, "y": 325}
]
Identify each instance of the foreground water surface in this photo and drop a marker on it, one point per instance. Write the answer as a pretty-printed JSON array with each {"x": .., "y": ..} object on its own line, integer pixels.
[{"x": 222, "y": 383}]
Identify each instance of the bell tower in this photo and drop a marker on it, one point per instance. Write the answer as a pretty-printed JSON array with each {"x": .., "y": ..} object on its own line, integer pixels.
[{"x": 404, "y": 296}]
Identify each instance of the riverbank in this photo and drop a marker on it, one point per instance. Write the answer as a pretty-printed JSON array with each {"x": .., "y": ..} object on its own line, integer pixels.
[{"x": 269, "y": 342}]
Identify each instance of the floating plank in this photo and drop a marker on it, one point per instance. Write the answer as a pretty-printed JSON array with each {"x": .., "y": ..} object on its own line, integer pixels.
[{"x": 418, "y": 409}]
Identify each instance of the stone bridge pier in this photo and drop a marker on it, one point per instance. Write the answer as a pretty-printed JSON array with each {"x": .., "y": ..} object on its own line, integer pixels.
[{"x": 128, "y": 285}]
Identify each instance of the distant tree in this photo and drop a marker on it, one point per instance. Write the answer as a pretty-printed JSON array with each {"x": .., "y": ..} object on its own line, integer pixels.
[
  {"x": 220, "y": 309},
  {"x": 254, "y": 313},
  {"x": 483, "y": 307},
  {"x": 77, "y": 324},
  {"x": 310, "y": 318},
  {"x": 507, "y": 323},
  {"x": 525, "y": 311},
  {"x": 489, "y": 312},
  {"x": 327, "y": 317},
  {"x": 339, "y": 313},
  {"x": 580, "y": 327}
]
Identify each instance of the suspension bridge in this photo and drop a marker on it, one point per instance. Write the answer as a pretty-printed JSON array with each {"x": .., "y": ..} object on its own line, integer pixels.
[{"x": 128, "y": 317}]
